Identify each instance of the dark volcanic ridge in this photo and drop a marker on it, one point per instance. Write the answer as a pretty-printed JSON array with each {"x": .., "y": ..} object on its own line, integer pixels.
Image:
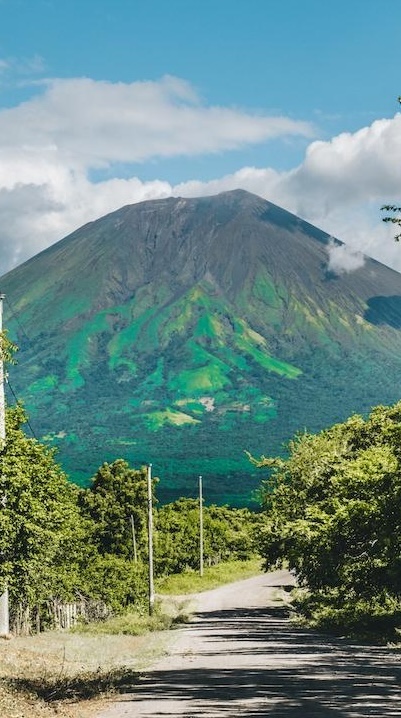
[{"x": 186, "y": 331}]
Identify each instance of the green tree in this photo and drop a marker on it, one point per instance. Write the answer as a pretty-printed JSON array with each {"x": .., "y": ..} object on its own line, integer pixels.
[
  {"x": 116, "y": 493},
  {"x": 333, "y": 512},
  {"x": 40, "y": 524},
  {"x": 393, "y": 210},
  {"x": 115, "y": 581},
  {"x": 227, "y": 535},
  {"x": 394, "y": 217}
]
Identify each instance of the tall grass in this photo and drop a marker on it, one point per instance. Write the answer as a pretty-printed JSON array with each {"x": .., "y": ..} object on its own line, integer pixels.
[
  {"x": 214, "y": 576},
  {"x": 135, "y": 623}
]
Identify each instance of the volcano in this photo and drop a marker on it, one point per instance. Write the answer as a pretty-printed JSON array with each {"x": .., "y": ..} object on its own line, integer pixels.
[{"x": 184, "y": 332}]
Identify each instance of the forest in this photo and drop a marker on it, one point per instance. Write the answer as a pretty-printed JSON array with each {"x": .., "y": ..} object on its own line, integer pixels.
[
  {"x": 330, "y": 511},
  {"x": 332, "y": 514},
  {"x": 62, "y": 543}
]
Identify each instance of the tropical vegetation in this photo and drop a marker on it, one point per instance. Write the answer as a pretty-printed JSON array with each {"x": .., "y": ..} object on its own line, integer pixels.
[
  {"x": 333, "y": 515},
  {"x": 331, "y": 512},
  {"x": 60, "y": 543}
]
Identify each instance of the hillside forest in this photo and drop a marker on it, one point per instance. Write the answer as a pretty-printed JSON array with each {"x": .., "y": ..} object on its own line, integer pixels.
[
  {"x": 330, "y": 511},
  {"x": 183, "y": 332}
]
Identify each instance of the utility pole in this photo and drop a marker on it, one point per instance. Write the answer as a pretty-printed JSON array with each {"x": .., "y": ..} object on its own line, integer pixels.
[
  {"x": 200, "y": 528},
  {"x": 134, "y": 538},
  {"x": 4, "y": 610},
  {"x": 150, "y": 541},
  {"x": 2, "y": 398}
]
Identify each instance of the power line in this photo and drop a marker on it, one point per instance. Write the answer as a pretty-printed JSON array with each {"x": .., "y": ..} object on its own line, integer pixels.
[
  {"x": 27, "y": 422},
  {"x": 24, "y": 332},
  {"x": 16, "y": 318},
  {"x": 4, "y": 604}
]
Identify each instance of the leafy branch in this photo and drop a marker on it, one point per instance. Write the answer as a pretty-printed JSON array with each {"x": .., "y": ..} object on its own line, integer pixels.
[
  {"x": 7, "y": 348},
  {"x": 394, "y": 218}
]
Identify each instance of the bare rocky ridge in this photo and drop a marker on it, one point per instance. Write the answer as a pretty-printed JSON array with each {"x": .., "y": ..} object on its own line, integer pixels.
[{"x": 242, "y": 657}]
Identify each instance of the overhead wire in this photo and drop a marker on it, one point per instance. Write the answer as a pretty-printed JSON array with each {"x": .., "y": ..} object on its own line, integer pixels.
[
  {"x": 27, "y": 422},
  {"x": 15, "y": 316},
  {"x": 22, "y": 328}
]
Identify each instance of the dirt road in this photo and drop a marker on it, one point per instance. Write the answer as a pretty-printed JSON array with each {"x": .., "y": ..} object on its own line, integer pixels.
[{"x": 241, "y": 657}]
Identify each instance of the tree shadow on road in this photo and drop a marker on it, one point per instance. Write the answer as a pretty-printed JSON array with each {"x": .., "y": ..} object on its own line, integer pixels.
[{"x": 298, "y": 674}]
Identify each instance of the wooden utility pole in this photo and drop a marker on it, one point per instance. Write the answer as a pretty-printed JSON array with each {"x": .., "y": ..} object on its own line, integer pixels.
[
  {"x": 150, "y": 542},
  {"x": 4, "y": 611},
  {"x": 200, "y": 527},
  {"x": 134, "y": 538},
  {"x": 2, "y": 398}
]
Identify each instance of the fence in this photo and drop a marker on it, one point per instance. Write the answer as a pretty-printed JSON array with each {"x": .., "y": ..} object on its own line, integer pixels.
[{"x": 55, "y": 615}]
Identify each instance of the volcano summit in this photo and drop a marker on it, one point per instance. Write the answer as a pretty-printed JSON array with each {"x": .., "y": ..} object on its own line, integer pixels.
[{"x": 183, "y": 332}]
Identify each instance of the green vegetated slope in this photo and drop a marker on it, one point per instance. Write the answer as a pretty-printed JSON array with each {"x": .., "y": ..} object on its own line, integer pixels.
[{"x": 183, "y": 332}]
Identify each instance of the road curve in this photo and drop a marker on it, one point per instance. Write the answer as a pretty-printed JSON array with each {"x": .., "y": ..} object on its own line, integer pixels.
[{"x": 241, "y": 657}]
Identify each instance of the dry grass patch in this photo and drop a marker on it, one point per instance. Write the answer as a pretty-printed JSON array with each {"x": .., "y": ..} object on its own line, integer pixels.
[{"x": 67, "y": 674}]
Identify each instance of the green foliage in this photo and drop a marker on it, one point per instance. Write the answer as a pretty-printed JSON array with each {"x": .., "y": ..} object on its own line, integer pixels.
[
  {"x": 227, "y": 535},
  {"x": 190, "y": 581},
  {"x": 7, "y": 348},
  {"x": 40, "y": 524},
  {"x": 116, "y": 493},
  {"x": 56, "y": 540},
  {"x": 333, "y": 511},
  {"x": 177, "y": 537},
  {"x": 115, "y": 581},
  {"x": 394, "y": 217}
]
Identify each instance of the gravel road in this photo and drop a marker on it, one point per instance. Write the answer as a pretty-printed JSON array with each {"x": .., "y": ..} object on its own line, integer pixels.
[{"x": 241, "y": 657}]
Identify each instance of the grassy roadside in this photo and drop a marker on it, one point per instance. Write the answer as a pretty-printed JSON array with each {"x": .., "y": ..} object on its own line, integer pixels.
[
  {"x": 214, "y": 576},
  {"x": 67, "y": 674},
  {"x": 70, "y": 675}
]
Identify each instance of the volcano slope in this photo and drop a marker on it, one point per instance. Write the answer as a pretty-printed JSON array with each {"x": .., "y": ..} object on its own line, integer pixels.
[{"x": 183, "y": 332}]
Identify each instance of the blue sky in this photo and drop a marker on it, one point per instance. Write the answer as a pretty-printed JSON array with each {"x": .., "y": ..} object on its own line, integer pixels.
[{"x": 107, "y": 102}]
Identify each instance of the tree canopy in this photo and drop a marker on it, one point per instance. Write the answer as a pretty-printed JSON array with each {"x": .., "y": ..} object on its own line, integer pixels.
[
  {"x": 116, "y": 493},
  {"x": 333, "y": 512},
  {"x": 40, "y": 523},
  {"x": 394, "y": 216},
  {"x": 228, "y": 534},
  {"x": 59, "y": 542}
]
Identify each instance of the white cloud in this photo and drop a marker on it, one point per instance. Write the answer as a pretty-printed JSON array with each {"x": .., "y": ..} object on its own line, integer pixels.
[
  {"x": 24, "y": 66},
  {"x": 49, "y": 145},
  {"x": 351, "y": 168},
  {"x": 343, "y": 259},
  {"x": 93, "y": 124},
  {"x": 34, "y": 216},
  {"x": 339, "y": 186}
]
